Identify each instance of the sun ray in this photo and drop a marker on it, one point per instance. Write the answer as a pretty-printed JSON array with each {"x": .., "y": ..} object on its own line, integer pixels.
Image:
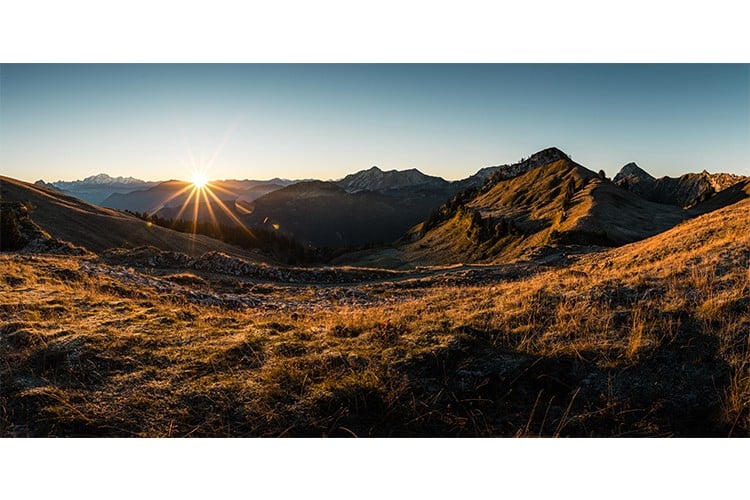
[
  {"x": 189, "y": 150},
  {"x": 196, "y": 207},
  {"x": 230, "y": 213},
  {"x": 170, "y": 198},
  {"x": 185, "y": 205},
  {"x": 211, "y": 213},
  {"x": 220, "y": 188},
  {"x": 227, "y": 135}
]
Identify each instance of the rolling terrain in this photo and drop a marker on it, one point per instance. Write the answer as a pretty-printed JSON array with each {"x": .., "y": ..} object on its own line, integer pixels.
[
  {"x": 648, "y": 339},
  {"x": 551, "y": 205},
  {"x": 364, "y": 208},
  {"x": 98, "y": 229},
  {"x": 545, "y": 301},
  {"x": 168, "y": 198}
]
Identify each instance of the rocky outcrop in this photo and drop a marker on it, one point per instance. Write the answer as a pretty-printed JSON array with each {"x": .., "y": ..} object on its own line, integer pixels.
[
  {"x": 685, "y": 191},
  {"x": 538, "y": 159},
  {"x": 221, "y": 263},
  {"x": 20, "y": 233},
  {"x": 722, "y": 181}
]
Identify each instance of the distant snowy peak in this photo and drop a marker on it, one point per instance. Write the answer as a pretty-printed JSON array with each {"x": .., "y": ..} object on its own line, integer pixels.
[
  {"x": 103, "y": 179},
  {"x": 375, "y": 179},
  {"x": 96, "y": 188}
]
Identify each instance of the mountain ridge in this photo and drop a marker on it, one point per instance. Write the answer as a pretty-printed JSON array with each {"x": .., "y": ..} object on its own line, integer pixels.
[
  {"x": 685, "y": 191},
  {"x": 70, "y": 219},
  {"x": 375, "y": 179},
  {"x": 556, "y": 203}
]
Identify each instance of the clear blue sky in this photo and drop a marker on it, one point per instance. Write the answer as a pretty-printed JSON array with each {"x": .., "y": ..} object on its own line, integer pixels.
[{"x": 162, "y": 121}]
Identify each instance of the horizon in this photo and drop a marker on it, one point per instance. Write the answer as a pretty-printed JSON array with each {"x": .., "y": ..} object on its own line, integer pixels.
[
  {"x": 282, "y": 178},
  {"x": 325, "y": 121}
]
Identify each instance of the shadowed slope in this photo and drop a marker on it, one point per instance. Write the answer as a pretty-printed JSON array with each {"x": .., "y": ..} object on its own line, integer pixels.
[
  {"x": 325, "y": 215},
  {"x": 96, "y": 228}
]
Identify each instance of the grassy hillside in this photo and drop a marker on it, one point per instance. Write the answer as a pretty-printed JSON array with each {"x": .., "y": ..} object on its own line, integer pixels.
[
  {"x": 649, "y": 339},
  {"x": 559, "y": 203},
  {"x": 97, "y": 228}
]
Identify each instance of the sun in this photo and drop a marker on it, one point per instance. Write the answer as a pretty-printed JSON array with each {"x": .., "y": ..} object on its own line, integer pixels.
[{"x": 199, "y": 179}]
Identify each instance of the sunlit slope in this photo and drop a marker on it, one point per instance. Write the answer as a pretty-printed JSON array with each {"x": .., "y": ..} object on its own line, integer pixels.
[
  {"x": 96, "y": 228},
  {"x": 719, "y": 238},
  {"x": 557, "y": 203}
]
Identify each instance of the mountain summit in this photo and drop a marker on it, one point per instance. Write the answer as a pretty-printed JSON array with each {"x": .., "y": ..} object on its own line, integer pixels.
[
  {"x": 508, "y": 171},
  {"x": 375, "y": 179},
  {"x": 633, "y": 172},
  {"x": 533, "y": 204}
]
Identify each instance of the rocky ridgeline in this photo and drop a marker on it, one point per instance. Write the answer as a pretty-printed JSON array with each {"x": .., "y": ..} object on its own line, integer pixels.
[
  {"x": 217, "y": 262},
  {"x": 375, "y": 179},
  {"x": 20, "y": 233},
  {"x": 722, "y": 181},
  {"x": 543, "y": 157},
  {"x": 685, "y": 191},
  {"x": 492, "y": 175}
]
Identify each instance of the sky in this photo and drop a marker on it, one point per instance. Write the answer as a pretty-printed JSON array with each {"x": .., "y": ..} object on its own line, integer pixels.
[{"x": 297, "y": 121}]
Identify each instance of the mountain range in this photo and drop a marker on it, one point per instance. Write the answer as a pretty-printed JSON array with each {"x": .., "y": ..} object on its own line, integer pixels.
[
  {"x": 527, "y": 210},
  {"x": 547, "y": 300},
  {"x": 97, "y": 188}
]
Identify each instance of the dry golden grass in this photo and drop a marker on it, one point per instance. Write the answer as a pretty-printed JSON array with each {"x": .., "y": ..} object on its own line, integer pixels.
[{"x": 649, "y": 339}]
